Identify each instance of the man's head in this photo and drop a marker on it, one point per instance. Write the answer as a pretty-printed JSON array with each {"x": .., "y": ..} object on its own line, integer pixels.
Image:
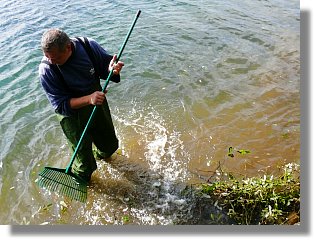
[{"x": 56, "y": 46}]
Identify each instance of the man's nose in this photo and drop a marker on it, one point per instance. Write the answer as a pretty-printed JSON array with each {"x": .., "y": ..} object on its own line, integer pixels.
[{"x": 52, "y": 61}]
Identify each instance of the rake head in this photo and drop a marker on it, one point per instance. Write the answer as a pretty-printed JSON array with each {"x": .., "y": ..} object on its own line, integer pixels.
[{"x": 57, "y": 180}]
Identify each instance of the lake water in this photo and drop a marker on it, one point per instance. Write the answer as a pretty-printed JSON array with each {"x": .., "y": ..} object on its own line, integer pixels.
[{"x": 199, "y": 77}]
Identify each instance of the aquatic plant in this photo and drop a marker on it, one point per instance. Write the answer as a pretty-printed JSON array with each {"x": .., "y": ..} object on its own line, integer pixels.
[{"x": 259, "y": 200}]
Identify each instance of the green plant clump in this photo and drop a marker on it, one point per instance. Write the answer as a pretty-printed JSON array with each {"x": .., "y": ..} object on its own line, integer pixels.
[{"x": 266, "y": 200}]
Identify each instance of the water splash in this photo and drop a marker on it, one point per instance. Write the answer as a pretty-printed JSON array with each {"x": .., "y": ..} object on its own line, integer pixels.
[{"x": 126, "y": 191}]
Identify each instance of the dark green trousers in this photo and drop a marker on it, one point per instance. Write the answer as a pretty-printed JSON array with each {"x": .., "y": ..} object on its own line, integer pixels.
[{"x": 101, "y": 133}]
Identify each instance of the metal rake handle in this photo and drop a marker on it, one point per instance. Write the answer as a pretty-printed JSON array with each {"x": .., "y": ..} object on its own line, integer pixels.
[{"x": 103, "y": 90}]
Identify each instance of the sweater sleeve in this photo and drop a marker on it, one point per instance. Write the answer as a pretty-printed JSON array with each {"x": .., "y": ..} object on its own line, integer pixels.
[
  {"x": 56, "y": 90},
  {"x": 103, "y": 59}
]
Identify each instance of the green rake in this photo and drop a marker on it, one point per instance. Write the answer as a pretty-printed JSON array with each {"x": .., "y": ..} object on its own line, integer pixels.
[{"x": 61, "y": 180}]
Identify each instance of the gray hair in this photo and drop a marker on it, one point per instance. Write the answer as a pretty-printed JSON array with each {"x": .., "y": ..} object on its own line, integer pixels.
[{"x": 54, "y": 38}]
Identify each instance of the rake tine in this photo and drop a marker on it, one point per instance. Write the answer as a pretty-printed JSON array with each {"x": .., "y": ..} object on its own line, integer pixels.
[
  {"x": 62, "y": 190},
  {"x": 55, "y": 186},
  {"x": 45, "y": 182}
]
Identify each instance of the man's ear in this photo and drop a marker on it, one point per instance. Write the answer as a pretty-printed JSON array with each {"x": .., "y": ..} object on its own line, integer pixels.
[{"x": 68, "y": 47}]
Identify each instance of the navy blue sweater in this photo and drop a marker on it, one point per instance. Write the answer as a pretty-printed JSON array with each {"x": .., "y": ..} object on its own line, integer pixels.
[{"x": 79, "y": 76}]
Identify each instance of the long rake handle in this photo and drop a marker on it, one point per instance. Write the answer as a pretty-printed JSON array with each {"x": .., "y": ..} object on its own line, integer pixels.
[{"x": 103, "y": 90}]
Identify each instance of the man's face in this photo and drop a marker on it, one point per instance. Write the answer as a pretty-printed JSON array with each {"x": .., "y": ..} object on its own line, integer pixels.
[{"x": 55, "y": 56}]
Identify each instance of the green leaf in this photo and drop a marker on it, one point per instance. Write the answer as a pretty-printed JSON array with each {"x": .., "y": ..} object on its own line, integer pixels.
[
  {"x": 243, "y": 152},
  {"x": 126, "y": 218},
  {"x": 230, "y": 152}
]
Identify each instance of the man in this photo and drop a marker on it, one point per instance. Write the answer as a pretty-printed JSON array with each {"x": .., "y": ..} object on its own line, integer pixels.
[{"x": 71, "y": 81}]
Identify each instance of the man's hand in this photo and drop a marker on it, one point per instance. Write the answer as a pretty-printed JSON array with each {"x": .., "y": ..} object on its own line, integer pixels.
[
  {"x": 97, "y": 98},
  {"x": 117, "y": 66}
]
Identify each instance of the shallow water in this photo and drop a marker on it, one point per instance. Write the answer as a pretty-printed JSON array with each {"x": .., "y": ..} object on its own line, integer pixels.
[{"x": 200, "y": 77}]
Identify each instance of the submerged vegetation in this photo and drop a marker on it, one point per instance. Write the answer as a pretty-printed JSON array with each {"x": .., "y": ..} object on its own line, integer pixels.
[{"x": 257, "y": 200}]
